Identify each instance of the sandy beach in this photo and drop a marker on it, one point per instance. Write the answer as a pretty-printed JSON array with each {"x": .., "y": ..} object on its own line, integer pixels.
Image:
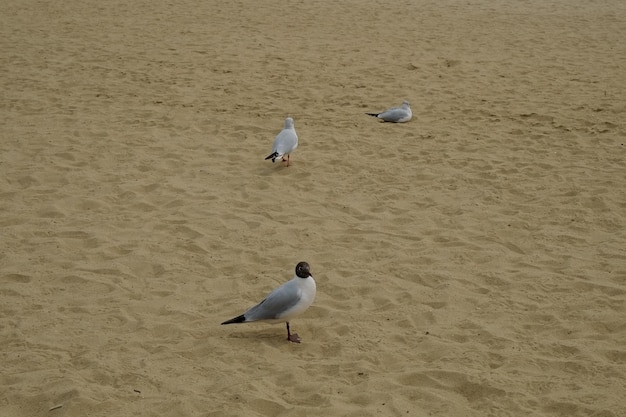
[{"x": 469, "y": 263}]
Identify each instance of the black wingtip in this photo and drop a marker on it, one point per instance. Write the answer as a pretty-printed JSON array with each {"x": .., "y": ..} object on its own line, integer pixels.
[
  {"x": 238, "y": 319},
  {"x": 272, "y": 156},
  {"x": 373, "y": 114}
]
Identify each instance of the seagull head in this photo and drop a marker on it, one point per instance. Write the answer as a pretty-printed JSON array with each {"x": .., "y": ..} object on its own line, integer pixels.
[{"x": 303, "y": 270}]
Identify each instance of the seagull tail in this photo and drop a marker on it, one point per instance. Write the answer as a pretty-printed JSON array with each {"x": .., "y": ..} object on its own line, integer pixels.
[
  {"x": 272, "y": 156},
  {"x": 238, "y": 319},
  {"x": 373, "y": 114}
]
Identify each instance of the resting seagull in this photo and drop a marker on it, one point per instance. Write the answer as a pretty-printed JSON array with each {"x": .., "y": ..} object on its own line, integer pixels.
[
  {"x": 287, "y": 301},
  {"x": 285, "y": 143},
  {"x": 396, "y": 115}
]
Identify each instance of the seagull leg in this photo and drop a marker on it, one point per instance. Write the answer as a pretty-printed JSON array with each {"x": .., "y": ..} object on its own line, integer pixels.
[
  {"x": 286, "y": 160},
  {"x": 292, "y": 337}
]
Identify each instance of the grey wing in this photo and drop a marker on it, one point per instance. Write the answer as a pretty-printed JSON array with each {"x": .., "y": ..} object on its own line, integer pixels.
[
  {"x": 285, "y": 142},
  {"x": 276, "y": 144},
  {"x": 393, "y": 115},
  {"x": 276, "y": 303}
]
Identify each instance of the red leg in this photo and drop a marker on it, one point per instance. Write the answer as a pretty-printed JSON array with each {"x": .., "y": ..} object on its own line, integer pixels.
[{"x": 292, "y": 337}]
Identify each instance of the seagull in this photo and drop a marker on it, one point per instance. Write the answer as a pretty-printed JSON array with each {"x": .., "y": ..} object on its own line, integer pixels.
[
  {"x": 287, "y": 301},
  {"x": 396, "y": 115},
  {"x": 285, "y": 143}
]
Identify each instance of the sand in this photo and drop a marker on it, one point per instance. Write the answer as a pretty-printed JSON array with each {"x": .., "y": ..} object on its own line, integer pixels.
[{"x": 471, "y": 262}]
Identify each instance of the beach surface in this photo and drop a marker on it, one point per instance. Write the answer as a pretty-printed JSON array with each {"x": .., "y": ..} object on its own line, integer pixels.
[{"x": 470, "y": 262}]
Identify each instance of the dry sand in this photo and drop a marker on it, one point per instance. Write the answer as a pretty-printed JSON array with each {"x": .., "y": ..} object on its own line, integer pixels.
[{"x": 471, "y": 262}]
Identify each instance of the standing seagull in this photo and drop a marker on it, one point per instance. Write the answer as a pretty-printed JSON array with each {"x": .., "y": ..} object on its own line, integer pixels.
[
  {"x": 287, "y": 301},
  {"x": 285, "y": 143},
  {"x": 396, "y": 115}
]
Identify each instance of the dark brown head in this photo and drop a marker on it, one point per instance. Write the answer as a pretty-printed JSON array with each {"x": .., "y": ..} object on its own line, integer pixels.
[{"x": 302, "y": 270}]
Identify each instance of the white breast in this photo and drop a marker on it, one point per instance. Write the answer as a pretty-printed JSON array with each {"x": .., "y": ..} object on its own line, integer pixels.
[{"x": 308, "y": 290}]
